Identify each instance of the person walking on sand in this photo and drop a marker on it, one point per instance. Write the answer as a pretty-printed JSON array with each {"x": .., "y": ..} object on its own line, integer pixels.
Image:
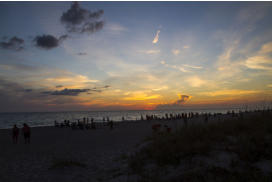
[
  {"x": 15, "y": 133},
  {"x": 26, "y": 133}
]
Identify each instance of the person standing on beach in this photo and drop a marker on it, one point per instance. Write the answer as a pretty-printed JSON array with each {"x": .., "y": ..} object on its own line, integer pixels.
[
  {"x": 26, "y": 133},
  {"x": 15, "y": 133}
]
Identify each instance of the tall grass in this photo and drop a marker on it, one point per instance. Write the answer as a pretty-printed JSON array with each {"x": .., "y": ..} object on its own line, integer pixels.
[{"x": 249, "y": 138}]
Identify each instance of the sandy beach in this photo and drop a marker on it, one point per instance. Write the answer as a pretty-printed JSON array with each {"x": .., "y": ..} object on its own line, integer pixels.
[{"x": 98, "y": 150}]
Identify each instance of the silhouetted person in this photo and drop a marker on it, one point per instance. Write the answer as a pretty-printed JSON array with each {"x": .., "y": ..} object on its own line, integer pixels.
[
  {"x": 15, "y": 133},
  {"x": 206, "y": 118},
  {"x": 111, "y": 123},
  {"x": 56, "y": 124},
  {"x": 26, "y": 133},
  {"x": 185, "y": 120}
]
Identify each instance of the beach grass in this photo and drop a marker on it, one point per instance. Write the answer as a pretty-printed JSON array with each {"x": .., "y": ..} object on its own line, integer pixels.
[
  {"x": 245, "y": 141},
  {"x": 64, "y": 163}
]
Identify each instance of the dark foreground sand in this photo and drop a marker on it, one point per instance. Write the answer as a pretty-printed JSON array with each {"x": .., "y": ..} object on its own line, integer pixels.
[{"x": 100, "y": 150}]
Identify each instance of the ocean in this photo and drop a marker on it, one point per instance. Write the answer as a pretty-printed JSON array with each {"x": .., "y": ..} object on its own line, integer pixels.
[{"x": 36, "y": 119}]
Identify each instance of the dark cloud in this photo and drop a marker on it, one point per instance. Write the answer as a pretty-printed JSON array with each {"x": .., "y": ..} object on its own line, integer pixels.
[
  {"x": 68, "y": 92},
  {"x": 63, "y": 37},
  {"x": 49, "y": 41},
  {"x": 177, "y": 104},
  {"x": 99, "y": 89},
  {"x": 82, "y": 53},
  {"x": 182, "y": 99},
  {"x": 13, "y": 43},
  {"x": 96, "y": 89},
  {"x": 28, "y": 90},
  {"x": 80, "y": 20},
  {"x": 74, "y": 92}
]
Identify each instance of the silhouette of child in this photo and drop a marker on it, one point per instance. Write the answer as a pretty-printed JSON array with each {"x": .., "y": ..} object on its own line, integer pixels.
[
  {"x": 15, "y": 133},
  {"x": 26, "y": 133}
]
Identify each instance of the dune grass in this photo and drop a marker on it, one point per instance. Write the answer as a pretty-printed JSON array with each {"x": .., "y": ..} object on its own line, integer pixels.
[
  {"x": 248, "y": 138},
  {"x": 60, "y": 164}
]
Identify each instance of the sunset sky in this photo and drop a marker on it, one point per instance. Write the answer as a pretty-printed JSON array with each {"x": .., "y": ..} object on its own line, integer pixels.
[{"x": 57, "y": 56}]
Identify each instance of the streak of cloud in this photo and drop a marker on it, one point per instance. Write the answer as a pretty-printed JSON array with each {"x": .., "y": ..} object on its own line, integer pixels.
[
  {"x": 259, "y": 62},
  {"x": 230, "y": 92},
  {"x": 67, "y": 92},
  {"x": 180, "y": 68},
  {"x": 151, "y": 51},
  {"x": 193, "y": 67},
  {"x": 156, "y": 37}
]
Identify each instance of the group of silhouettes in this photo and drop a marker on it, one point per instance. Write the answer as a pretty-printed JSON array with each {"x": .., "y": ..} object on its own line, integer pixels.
[
  {"x": 84, "y": 124},
  {"x": 25, "y": 131}
]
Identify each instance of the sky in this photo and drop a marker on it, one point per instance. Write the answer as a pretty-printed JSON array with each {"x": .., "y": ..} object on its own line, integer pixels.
[{"x": 64, "y": 56}]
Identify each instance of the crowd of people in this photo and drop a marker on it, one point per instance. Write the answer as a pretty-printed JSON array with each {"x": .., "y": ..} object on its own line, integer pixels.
[
  {"x": 86, "y": 123},
  {"x": 25, "y": 131},
  {"x": 89, "y": 123}
]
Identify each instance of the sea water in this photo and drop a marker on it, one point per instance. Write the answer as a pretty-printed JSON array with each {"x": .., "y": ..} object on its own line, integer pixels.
[{"x": 35, "y": 119}]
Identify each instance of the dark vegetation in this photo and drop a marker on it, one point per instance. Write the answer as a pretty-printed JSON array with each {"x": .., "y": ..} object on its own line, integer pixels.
[
  {"x": 60, "y": 164},
  {"x": 245, "y": 140}
]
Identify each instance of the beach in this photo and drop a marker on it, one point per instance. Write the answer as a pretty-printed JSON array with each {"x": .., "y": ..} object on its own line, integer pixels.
[
  {"x": 99, "y": 149},
  {"x": 63, "y": 154}
]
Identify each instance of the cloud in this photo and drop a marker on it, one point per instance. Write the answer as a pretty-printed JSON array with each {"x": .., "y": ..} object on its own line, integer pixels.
[
  {"x": 49, "y": 41},
  {"x": 259, "y": 62},
  {"x": 176, "y": 51},
  {"x": 20, "y": 68},
  {"x": 28, "y": 90},
  {"x": 180, "y": 68},
  {"x": 82, "y": 53},
  {"x": 151, "y": 51},
  {"x": 195, "y": 81},
  {"x": 115, "y": 28},
  {"x": 186, "y": 47},
  {"x": 139, "y": 96},
  {"x": 71, "y": 80},
  {"x": 68, "y": 92},
  {"x": 160, "y": 88},
  {"x": 63, "y": 37},
  {"x": 13, "y": 43},
  {"x": 183, "y": 68},
  {"x": 183, "y": 99},
  {"x": 193, "y": 67},
  {"x": 59, "y": 86},
  {"x": 177, "y": 104},
  {"x": 266, "y": 48},
  {"x": 156, "y": 37},
  {"x": 229, "y": 92},
  {"x": 99, "y": 89},
  {"x": 79, "y": 20}
]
